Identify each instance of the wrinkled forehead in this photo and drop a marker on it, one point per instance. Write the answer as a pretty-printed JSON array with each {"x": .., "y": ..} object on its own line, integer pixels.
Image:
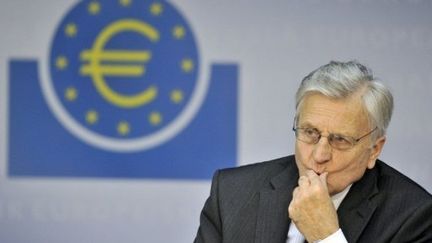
[{"x": 341, "y": 115}]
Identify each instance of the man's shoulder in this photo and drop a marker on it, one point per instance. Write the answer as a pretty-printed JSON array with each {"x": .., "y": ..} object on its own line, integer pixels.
[
  {"x": 266, "y": 168},
  {"x": 398, "y": 207},
  {"x": 255, "y": 176},
  {"x": 239, "y": 186},
  {"x": 394, "y": 183}
]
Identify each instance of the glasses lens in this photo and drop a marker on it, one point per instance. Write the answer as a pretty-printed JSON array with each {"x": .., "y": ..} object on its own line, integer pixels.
[
  {"x": 340, "y": 142},
  {"x": 308, "y": 135},
  {"x": 312, "y": 136}
]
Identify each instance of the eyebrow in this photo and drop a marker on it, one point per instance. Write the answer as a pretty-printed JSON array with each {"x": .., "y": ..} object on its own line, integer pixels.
[{"x": 308, "y": 124}]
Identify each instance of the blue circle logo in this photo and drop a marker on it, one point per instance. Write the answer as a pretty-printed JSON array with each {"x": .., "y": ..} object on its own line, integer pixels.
[{"x": 124, "y": 74}]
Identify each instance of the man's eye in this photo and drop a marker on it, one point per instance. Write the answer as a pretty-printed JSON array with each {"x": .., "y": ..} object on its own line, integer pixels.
[
  {"x": 311, "y": 132},
  {"x": 340, "y": 139}
]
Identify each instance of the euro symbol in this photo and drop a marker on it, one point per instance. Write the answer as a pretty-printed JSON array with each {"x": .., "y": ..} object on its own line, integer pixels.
[{"x": 133, "y": 63}]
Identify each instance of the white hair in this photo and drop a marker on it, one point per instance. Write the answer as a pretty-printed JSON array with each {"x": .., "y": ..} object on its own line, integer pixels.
[{"x": 341, "y": 80}]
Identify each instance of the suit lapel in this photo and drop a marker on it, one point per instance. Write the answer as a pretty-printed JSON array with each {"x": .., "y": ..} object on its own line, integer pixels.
[
  {"x": 272, "y": 221},
  {"x": 358, "y": 206}
]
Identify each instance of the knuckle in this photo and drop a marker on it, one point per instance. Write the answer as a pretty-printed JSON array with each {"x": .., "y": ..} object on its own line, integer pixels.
[
  {"x": 295, "y": 191},
  {"x": 291, "y": 210},
  {"x": 317, "y": 189}
]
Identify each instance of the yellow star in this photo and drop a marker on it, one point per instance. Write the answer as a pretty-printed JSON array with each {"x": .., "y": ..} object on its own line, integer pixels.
[
  {"x": 178, "y": 32},
  {"x": 187, "y": 65},
  {"x": 71, "y": 30},
  {"x": 155, "y": 118},
  {"x": 94, "y": 7},
  {"x": 92, "y": 117},
  {"x": 156, "y": 9},
  {"x": 71, "y": 94},
  {"x": 61, "y": 62},
  {"x": 123, "y": 128},
  {"x": 125, "y": 3},
  {"x": 176, "y": 96}
]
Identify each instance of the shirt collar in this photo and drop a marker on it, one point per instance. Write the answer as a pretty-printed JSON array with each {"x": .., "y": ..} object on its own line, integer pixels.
[{"x": 339, "y": 197}]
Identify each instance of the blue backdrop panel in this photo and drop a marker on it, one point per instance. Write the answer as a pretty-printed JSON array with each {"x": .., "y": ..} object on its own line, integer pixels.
[{"x": 40, "y": 146}]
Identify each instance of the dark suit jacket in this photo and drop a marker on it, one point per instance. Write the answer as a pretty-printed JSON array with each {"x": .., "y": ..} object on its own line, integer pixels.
[{"x": 250, "y": 204}]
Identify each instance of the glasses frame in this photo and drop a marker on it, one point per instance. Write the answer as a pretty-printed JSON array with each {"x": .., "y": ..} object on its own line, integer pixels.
[{"x": 355, "y": 141}]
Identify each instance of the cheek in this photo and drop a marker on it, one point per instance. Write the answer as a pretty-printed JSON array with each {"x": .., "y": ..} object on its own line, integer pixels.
[
  {"x": 346, "y": 171},
  {"x": 302, "y": 155}
]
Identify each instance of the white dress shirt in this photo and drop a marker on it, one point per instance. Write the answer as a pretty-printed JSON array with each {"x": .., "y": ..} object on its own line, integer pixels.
[{"x": 294, "y": 235}]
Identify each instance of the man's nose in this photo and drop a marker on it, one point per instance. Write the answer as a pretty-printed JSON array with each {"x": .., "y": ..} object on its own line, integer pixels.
[{"x": 322, "y": 151}]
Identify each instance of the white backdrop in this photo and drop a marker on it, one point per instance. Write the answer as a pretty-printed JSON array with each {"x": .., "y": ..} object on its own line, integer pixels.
[{"x": 275, "y": 43}]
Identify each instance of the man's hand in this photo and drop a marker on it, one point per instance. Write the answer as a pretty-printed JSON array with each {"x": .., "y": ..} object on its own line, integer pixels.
[{"x": 311, "y": 208}]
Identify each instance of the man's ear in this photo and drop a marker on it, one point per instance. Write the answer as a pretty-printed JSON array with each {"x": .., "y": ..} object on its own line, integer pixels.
[{"x": 376, "y": 151}]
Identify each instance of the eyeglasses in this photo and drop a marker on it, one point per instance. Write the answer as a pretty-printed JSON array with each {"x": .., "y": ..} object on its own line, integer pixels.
[{"x": 339, "y": 142}]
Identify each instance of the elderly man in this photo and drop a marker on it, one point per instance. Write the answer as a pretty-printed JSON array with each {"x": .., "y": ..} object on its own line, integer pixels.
[{"x": 334, "y": 189}]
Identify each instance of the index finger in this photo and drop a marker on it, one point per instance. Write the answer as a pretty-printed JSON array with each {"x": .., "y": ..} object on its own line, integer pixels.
[
  {"x": 312, "y": 175},
  {"x": 315, "y": 179},
  {"x": 323, "y": 177}
]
